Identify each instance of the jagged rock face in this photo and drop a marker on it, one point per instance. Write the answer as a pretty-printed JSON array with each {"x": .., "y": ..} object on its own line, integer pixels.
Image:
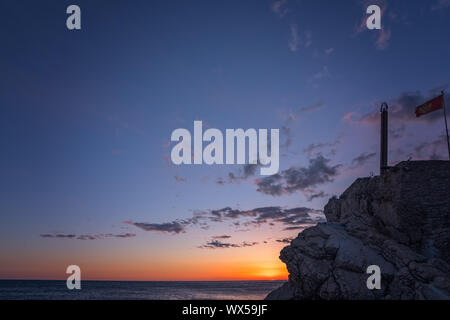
[{"x": 399, "y": 221}]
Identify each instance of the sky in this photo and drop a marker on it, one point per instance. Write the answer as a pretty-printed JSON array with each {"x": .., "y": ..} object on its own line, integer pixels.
[{"x": 86, "y": 118}]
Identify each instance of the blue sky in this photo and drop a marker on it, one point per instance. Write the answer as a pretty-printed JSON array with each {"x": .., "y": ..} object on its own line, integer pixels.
[{"x": 87, "y": 115}]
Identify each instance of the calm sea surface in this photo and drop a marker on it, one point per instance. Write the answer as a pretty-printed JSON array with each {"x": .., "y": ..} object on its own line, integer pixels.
[{"x": 154, "y": 290}]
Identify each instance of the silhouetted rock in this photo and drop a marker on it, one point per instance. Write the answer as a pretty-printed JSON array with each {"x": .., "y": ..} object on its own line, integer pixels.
[{"x": 399, "y": 221}]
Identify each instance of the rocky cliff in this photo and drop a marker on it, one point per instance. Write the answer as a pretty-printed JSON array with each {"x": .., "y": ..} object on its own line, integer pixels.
[{"x": 399, "y": 221}]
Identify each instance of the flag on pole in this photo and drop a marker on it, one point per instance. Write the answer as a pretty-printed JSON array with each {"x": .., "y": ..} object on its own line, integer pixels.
[
  {"x": 430, "y": 106},
  {"x": 433, "y": 105}
]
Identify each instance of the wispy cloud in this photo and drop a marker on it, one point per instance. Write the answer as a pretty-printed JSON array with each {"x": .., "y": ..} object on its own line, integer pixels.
[
  {"x": 312, "y": 107},
  {"x": 383, "y": 38},
  {"x": 432, "y": 150},
  {"x": 87, "y": 236},
  {"x": 59, "y": 235},
  {"x": 169, "y": 227},
  {"x": 222, "y": 237},
  {"x": 280, "y": 8},
  {"x": 308, "y": 37},
  {"x": 349, "y": 116},
  {"x": 245, "y": 172},
  {"x": 318, "y": 147},
  {"x": 299, "y": 178},
  {"x": 314, "y": 195},
  {"x": 294, "y": 40},
  {"x": 180, "y": 179},
  {"x": 362, "y": 159},
  {"x": 284, "y": 240},
  {"x": 329, "y": 51},
  {"x": 300, "y": 217},
  {"x": 324, "y": 73},
  {"x": 440, "y": 4},
  {"x": 287, "y": 131},
  {"x": 286, "y": 134},
  {"x": 216, "y": 244}
]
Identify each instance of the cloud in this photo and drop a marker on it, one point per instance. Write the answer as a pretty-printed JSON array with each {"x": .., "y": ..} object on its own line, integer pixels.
[
  {"x": 440, "y": 4},
  {"x": 397, "y": 132},
  {"x": 315, "y": 195},
  {"x": 280, "y": 8},
  {"x": 215, "y": 244},
  {"x": 124, "y": 235},
  {"x": 285, "y": 240},
  {"x": 362, "y": 159},
  {"x": 349, "y": 116},
  {"x": 312, "y": 107},
  {"x": 286, "y": 130},
  {"x": 315, "y": 148},
  {"x": 426, "y": 150},
  {"x": 221, "y": 181},
  {"x": 248, "y": 244},
  {"x": 308, "y": 37},
  {"x": 174, "y": 227},
  {"x": 432, "y": 150},
  {"x": 247, "y": 171},
  {"x": 299, "y": 178},
  {"x": 88, "y": 236},
  {"x": 294, "y": 40},
  {"x": 222, "y": 237},
  {"x": 294, "y": 217},
  {"x": 180, "y": 179},
  {"x": 286, "y": 133},
  {"x": 294, "y": 228},
  {"x": 324, "y": 73},
  {"x": 68, "y": 236},
  {"x": 383, "y": 38},
  {"x": 329, "y": 51},
  {"x": 291, "y": 117}
]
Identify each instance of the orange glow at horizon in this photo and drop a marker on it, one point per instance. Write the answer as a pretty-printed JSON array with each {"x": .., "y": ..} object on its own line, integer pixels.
[
  {"x": 211, "y": 272},
  {"x": 134, "y": 265}
]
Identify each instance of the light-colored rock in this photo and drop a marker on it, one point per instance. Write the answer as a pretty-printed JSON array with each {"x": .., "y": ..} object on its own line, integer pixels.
[{"x": 399, "y": 221}]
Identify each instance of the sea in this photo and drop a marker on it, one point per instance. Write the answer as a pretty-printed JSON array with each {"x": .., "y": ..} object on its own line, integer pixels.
[{"x": 137, "y": 290}]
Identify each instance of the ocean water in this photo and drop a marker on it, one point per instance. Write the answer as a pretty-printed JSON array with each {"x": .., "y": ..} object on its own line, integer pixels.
[{"x": 151, "y": 290}]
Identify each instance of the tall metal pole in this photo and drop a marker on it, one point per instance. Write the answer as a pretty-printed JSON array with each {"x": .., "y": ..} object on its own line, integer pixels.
[
  {"x": 446, "y": 126},
  {"x": 384, "y": 138}
]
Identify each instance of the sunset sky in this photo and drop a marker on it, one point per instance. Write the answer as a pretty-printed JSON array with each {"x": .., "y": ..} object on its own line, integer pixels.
[{"x": 86, "y": 118}]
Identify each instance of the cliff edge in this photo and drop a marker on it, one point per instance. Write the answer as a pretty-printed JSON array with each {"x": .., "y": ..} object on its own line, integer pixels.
[{"x": 399, "y": 221}]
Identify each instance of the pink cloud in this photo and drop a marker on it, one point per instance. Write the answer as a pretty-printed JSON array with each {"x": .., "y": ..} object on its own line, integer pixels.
[
  {"x": 348, "y": 116},
  {"x": 279, "y": 7},
  {"x": 383, "y": 39}
]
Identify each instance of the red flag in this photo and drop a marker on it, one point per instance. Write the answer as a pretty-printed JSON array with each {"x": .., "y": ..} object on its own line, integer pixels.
[{"x": 430, "y": 106}]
